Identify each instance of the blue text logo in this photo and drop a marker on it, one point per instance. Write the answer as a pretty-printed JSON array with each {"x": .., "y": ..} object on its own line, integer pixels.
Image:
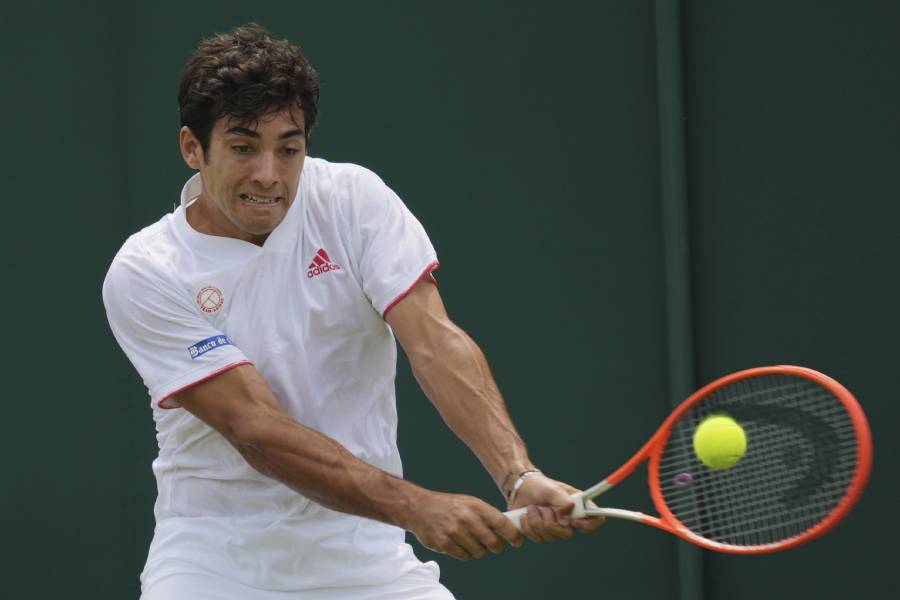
[{"x": 204, "y": 346}]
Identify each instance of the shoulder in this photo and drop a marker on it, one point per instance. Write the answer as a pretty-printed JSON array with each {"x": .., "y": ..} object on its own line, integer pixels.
[
  {"x": 340, "y": 177},
  {"x": 147, "y": 258},
  {"x": 347, "y": 187}
]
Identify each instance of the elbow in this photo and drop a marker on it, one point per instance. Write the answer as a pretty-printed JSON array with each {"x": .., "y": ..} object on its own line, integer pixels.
[
  {"x": 249, "y": 433},
  {"x": 249, "y": 438}
]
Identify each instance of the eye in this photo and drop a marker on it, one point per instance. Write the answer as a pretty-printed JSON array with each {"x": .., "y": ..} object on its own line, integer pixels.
[
  {"x": 241, "y": 148},
  {"x": 291, "y": 151}
]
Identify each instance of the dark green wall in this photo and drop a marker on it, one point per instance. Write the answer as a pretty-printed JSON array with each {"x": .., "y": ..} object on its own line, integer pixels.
[
  {"x": 524, "y": 136},
  {"x": 793, "y": 158}
]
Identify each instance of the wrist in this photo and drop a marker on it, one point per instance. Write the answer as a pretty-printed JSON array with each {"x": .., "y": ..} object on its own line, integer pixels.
[
  {"x": 403, "y": 513},
  {"x": 515, "y": 481},
  {"x": 505, "y": 472}
]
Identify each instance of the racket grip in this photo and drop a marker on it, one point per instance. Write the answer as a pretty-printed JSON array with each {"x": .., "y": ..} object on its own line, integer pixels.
[{"x": 515, "y": 516}]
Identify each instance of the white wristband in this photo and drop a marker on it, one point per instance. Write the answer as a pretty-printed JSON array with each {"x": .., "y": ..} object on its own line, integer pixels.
[{"x": 518, "y": 483}]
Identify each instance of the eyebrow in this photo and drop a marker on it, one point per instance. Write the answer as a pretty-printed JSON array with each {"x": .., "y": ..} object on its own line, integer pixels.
[{"x": 250, "y": 133}]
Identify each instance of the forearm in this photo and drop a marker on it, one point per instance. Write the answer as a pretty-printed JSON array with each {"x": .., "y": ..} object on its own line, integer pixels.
[
  {"x": 321, "y": 469},
  {"x": 455, "y": 376},
  {"x": 240, "y": 406}
]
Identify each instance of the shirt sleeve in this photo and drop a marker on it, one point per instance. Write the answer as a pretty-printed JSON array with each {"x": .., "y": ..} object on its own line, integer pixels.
[
  {"x": 395, "y": 252},
  {"x": 170, "y": 344}
]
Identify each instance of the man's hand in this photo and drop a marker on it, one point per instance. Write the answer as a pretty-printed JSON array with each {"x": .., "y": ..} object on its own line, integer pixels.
[
  {"x": 462, "y": 526},
  {"x": 549, "y": 505}
]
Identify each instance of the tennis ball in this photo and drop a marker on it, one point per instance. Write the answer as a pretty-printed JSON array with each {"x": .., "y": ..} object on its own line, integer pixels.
[{"x": 719, "y": 442}]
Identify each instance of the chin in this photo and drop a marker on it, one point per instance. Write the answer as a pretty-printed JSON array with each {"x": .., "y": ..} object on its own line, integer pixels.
[
  {"x": 260, "y": 228},
  {"x": 262, "y": 224}
]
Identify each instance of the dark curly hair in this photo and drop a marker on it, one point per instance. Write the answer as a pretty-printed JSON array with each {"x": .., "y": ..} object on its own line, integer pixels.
[{"x": 245, "y": 74}]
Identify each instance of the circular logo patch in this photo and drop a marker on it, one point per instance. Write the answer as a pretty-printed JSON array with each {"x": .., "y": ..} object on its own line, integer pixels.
[{"x": 210, "y": 299}]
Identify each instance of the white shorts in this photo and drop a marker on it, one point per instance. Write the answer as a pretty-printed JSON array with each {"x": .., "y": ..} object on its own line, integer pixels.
[{"x": 419, "y": 584}]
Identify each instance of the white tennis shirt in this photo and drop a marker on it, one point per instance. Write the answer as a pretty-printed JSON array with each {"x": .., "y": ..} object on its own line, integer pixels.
[{"x": 306, "y": 309}]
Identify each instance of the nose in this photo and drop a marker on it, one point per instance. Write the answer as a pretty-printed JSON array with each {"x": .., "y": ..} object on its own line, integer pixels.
[{"x": 265, "y": 173}]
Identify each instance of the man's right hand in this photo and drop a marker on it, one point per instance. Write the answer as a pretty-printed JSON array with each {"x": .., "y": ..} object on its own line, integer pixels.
[{"x": 462, "y": 526}]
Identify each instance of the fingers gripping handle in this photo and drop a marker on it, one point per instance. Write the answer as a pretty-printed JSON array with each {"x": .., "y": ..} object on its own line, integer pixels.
[
  {"x": 578, "y": 512},
  {"x": 516, "y": 516}
]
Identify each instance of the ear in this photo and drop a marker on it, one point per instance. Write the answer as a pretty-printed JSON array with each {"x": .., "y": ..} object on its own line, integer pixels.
[{"x": 191, "y": 150}]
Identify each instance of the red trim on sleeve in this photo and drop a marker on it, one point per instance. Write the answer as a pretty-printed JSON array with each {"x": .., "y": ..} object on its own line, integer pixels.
[
  {"x": 162, "y": 402},
  {"x": 426, "y": 274}
]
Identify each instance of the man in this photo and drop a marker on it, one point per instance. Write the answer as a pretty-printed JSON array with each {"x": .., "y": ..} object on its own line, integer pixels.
[{"x": 261, "y": 315}]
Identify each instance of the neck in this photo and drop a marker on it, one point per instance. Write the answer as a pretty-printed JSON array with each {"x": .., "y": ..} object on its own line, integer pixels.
[{"x": 205, "y": 218}]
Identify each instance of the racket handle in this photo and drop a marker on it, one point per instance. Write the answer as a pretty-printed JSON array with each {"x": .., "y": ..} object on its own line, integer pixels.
[
  {"x": 617, "y": 513},
  {"x": 515, "y": 516}
]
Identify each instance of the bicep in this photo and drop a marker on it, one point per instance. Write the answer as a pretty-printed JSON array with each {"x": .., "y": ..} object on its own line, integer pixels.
[{"x": 420, "y": 319}]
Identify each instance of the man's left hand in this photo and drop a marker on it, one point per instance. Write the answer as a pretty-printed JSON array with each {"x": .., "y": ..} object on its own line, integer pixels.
[{"x": 549, "y": 505}]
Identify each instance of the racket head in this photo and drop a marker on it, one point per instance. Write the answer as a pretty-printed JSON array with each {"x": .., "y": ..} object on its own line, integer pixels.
[{"x": 808, "y": 459}]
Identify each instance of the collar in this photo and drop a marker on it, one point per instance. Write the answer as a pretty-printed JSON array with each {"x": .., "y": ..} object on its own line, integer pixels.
[{"x": 281, "y": 235}]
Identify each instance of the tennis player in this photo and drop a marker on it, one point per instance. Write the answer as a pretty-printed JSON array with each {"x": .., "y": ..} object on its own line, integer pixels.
[{"x": 262, "y": 315}]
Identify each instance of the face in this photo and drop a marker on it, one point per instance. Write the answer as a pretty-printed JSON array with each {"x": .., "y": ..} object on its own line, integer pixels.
[{"x": 250, "y": 174}]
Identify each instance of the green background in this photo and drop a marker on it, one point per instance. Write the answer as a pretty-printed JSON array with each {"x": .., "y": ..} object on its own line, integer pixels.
[{"x": 525, "y": 137}]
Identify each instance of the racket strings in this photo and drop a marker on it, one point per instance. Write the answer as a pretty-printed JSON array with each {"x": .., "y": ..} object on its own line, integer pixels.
[
  {"x": 764, "y": 506},
  {"x": 799, "y": 462}
]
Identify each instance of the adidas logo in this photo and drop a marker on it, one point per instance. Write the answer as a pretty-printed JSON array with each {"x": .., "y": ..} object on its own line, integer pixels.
[{"x": 321, "y": 264}]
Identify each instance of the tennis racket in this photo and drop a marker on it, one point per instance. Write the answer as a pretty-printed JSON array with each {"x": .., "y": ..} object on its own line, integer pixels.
[{"x": 808, "y": 457}]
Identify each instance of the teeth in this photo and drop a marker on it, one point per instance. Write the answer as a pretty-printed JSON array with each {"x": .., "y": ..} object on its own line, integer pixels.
[{"x": 258, "y": 200}]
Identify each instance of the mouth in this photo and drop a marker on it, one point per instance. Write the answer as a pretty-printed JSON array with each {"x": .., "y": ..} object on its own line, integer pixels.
[{"x": 261, "y": 200}]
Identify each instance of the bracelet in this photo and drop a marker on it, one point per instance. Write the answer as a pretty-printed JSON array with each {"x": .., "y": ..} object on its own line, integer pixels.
[{"x": 515, "y": 487}]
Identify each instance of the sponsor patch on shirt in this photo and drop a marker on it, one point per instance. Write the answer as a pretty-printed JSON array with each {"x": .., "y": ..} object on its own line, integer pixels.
[{"x": 210, "y": 343}]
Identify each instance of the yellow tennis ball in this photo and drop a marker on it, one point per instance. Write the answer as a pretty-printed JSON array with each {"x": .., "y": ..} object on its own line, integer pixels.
[{"x": 720, "y": 442}]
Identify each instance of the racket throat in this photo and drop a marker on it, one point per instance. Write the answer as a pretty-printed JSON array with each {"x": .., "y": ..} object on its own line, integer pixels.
[
  {"x": 581, "y": 499},
  {"x": 585, "y": 508}
]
